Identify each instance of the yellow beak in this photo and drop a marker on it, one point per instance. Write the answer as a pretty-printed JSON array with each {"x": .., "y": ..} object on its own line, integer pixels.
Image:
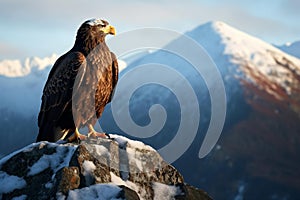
[
  {"x": 109, "y": 30},
  {"x": 112, "y": 30}
]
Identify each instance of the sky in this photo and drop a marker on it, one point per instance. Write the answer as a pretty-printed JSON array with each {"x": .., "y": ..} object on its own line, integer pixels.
[{"x": 40, "y": 28}]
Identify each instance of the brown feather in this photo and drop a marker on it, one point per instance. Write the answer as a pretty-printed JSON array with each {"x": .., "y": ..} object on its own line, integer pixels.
[{"x": 84, "y": 78}]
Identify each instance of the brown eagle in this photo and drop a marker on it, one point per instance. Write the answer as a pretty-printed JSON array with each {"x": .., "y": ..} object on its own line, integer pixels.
[{"x": 81, "y": 81}]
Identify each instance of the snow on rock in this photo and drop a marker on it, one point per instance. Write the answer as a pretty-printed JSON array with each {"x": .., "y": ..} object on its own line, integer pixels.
[
  {"x": 99, "y": 191},
  {"x": 88, "y": 170},
  {"x": 116, "y": 168},
  {"x": 10, "y": 183},
  {"x": 55, "y": 161},
  {"x": 119, "y": 181},
  {"x": 88, "y": 167},
  {"x": 102, "y": 150},
  {"x": 123, "y": 141},
  {"x": 9, "y": 156},
  {"x": 162, "y": 191},
  {"x": 22, "y": 197}
]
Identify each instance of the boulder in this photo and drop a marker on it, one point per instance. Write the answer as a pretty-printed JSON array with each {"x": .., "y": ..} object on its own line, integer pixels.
[{"x": 100, "y": 168}]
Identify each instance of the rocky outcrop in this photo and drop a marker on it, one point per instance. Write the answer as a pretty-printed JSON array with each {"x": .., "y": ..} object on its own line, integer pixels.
[{"x": 96, "y": 169}]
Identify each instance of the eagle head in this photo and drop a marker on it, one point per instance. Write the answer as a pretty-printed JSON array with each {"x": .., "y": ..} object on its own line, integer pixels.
[
  {"x": 101, "y": 26},
  {"x": 92, "y": 32}
]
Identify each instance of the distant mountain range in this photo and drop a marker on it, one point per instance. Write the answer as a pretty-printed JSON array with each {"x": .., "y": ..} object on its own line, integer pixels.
[
  {"x": 257, "y": 155},
  {"x": 291, "y": 48}
]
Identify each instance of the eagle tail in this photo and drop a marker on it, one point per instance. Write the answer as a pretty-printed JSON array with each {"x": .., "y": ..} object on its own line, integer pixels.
[
  {"x": 45, "y": 132},
  {"x": 50, "y": 132}
]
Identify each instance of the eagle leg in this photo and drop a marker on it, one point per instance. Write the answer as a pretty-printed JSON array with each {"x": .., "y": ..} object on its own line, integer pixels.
[
  {"x": 94, "y": 134},
  {"x": 76, "y": 136}
]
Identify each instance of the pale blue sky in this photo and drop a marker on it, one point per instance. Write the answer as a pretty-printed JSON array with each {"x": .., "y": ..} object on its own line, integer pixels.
[{"x": 40, "y": 28}]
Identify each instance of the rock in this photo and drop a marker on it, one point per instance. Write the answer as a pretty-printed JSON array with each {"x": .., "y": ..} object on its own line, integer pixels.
[
  {"x": 129, "y": 193},
  {"x": 192, "y": 193},
  {"x": 101, "y": 168},
  {"x": 69, "y": 179}
]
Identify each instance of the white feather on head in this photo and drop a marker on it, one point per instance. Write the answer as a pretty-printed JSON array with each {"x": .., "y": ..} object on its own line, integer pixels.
[{"x": 95, "y": 22}]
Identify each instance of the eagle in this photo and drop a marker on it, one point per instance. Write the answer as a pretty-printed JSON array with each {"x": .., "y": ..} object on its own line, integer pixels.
[{"x": 81, "y": 81}]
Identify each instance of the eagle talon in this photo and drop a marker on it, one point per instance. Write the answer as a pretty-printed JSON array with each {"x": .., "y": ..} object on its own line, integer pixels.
[
  {"x": 95, "y": 134},
  {"x": 76, "y": 137}
]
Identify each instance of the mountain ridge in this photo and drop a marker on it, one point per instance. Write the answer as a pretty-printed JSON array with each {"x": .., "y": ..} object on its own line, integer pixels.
[{"x": 291, "y": 48}]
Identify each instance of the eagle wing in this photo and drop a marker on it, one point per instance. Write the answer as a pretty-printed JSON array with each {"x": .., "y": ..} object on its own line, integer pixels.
[
  {"x": 115, "y": 72},
  {"x": 57, "y": 93}
]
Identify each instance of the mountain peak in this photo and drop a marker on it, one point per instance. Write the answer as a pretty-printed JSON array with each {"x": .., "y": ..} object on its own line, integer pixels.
[
  {"x": 231, "y": 36},
  {"x": 247, "y": 54},
  {"x": 217, "y": 24}
]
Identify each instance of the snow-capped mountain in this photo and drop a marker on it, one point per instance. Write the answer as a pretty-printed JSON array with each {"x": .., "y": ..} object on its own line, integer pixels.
[
  {"x": 262, "y": 120},
  {"x": 291, "y": 48},
  {"x": 22, "y": 83},
  {"x": 257, "y": 153},
  {"x": 15, "y": 68}
]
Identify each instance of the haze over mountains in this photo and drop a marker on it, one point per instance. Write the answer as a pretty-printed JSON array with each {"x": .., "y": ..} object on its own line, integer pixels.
[{"x": 257, "y": 154}]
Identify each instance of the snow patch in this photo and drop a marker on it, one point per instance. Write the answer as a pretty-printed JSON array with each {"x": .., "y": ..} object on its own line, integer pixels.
[
  {"x": 163, "y": 191},
  {"x": 89, "y": 168},
  {"x": 10, "y": 183},
  {"x": 134, "y": 157},
  {"x": 99, "y": 191},
  {"x": 49, "y": 185},
  {"x": 9, "y": 156},
  {"x": 131, "y": 143},
  {"x": 118, "y": 181},
  {"x": 22, "y": 197},
  {"x": 43, "y": 163},
  {"x": 102, "y": 151},
  {"x": 55, "y": 161}
]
